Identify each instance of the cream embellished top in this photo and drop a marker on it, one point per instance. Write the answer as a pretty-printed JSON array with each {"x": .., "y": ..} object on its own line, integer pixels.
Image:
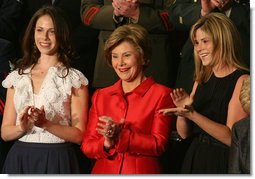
[{"x": 55, "y": 95}]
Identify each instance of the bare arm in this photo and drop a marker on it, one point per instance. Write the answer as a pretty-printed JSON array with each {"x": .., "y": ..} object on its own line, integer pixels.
[
  {"x": 183, "y": 125},
  {"x": 9, "y": 129},
  {"x": 219, "y": 131}
]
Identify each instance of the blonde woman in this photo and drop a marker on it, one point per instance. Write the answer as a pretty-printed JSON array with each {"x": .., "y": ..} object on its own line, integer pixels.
[{"x": 213, "y": 106}]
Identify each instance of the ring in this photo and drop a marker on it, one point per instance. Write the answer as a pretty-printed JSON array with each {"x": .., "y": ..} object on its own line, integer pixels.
[{"x": 109, "y": 132}]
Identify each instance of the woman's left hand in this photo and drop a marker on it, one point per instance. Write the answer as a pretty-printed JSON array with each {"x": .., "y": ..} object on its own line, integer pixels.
[
  {"x": 109, "y": 129},
  {"x": 38, "y": 116},
  {"x": 179, "y": 111}
]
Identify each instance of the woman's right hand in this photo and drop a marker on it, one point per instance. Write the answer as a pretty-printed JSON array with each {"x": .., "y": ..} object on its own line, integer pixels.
[
  {"x": 26, "y": 123},
  {"x": 180, "y": 98}
]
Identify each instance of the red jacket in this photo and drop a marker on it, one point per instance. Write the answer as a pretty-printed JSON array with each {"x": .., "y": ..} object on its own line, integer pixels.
[{"x": 144, "y": 135}]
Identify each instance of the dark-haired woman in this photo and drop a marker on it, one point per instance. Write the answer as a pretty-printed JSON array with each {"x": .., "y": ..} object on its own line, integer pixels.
[{"x": 47, "y": 100}]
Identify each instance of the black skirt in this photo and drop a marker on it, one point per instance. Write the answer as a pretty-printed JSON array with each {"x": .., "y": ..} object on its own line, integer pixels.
[{"x": 41, "y": 158}]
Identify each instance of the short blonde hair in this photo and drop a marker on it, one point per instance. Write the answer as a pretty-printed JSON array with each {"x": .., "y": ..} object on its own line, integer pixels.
[
  {"x": 245, "y": 95},
  {"x": 134, "y": 34}
]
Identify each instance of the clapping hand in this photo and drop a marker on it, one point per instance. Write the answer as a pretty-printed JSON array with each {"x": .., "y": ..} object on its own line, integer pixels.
[
  {"x": 180, "y": 97},
  {"x": 26, "y": 123},
  {"x": 109, "y": 129},
  {"x": 126, "y": 8},
  {"x": 38, "y": 116},
  {"x": 182, "y": 101},
  {"x": 209, "y": 5}
]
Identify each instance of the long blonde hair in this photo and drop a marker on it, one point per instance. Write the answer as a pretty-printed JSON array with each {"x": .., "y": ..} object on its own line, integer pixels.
[{"x": 226, "y": 40}]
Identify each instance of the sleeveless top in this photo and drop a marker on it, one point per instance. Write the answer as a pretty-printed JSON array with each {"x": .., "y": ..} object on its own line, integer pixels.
[
  {"x": 55, "y": 95},
  {"x": 207, "y": 155},
  {"x": 211, "y": 99}
]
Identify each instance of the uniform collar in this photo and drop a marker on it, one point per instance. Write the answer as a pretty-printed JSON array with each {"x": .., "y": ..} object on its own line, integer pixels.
[{"x": 139, "y": 90}]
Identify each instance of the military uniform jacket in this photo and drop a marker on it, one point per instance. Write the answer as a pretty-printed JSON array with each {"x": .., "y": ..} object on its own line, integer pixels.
[{"x": 98, "y": 14}]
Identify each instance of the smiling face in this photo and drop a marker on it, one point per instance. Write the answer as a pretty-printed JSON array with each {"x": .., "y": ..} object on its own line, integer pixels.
[
  {"x": 204, "y": 47},
  {"x": 45, "y": 37},
  {"x": 127, "y": 62}
]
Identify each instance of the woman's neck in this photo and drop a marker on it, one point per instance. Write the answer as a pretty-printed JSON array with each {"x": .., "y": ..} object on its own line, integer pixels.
[
  {"x": 130, "y": 86},
  {"x": 223, "y": 71},
  {"x": 45, "y": 62}
]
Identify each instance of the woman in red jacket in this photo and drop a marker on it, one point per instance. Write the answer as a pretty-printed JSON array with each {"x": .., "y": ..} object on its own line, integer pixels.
[{"x": 126, "y": 134}]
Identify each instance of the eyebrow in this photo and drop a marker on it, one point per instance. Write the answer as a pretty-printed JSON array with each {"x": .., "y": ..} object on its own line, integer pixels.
[
  {"x": 125, "y": 52},
  {"x": 44, "y": 28},
  {"x": 204, "y": 38}
]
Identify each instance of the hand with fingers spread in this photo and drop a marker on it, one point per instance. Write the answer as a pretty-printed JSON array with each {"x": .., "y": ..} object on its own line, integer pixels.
[
  {"x": 180, "y": 97},
  {"x": 182, "y": 102}
]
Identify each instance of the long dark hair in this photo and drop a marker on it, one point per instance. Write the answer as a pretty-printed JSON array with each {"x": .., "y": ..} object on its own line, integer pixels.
[{"x": 63, "y": 37}]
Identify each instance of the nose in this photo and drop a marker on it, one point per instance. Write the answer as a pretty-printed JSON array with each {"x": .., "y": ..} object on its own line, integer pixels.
[
  {"x": 45, "y": 35},
  {"x": 121, "y": 61},
  {"x": 198, "y": 47}
]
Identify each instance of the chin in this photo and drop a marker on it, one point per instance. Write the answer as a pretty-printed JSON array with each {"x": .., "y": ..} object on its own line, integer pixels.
[
  {"x": 205, "y": 63},
  {"x": 126, "y": 79}
]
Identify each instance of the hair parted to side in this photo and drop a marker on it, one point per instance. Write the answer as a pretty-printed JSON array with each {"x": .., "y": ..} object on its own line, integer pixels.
[
  {"x": 134, "y": 34},
  {"x": 245, "y": 95},
  {"x": 226, "y": 40},
  {"x": 63, "y": 37}
]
